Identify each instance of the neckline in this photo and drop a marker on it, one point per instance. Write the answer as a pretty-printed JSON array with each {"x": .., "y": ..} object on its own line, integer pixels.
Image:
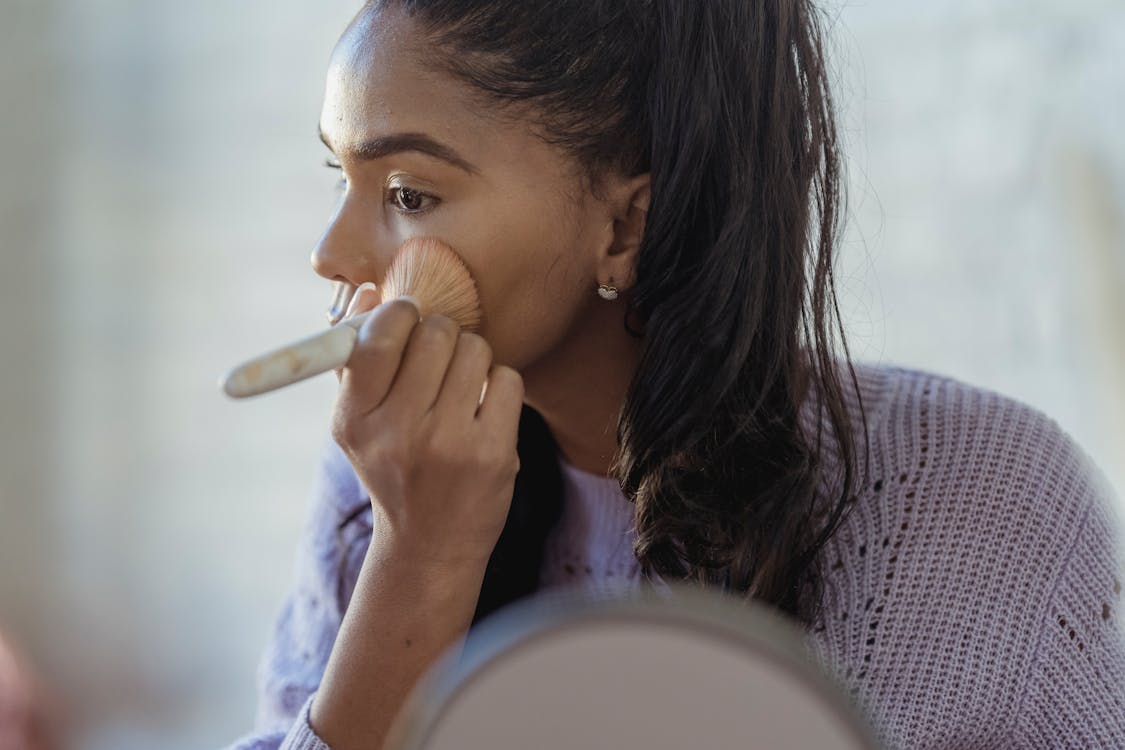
[{"x": 582, "y": 474}]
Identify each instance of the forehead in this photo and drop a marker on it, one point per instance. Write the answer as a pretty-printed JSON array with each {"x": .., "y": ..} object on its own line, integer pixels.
[{"x": 377, "y": 84}]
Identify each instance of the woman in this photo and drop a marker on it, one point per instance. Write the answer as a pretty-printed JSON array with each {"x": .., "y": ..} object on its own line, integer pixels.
[{"x": 646, "y": 192}]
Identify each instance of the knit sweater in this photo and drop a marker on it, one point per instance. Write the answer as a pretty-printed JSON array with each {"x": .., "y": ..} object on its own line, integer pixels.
[{"x": 972, "y": 595}]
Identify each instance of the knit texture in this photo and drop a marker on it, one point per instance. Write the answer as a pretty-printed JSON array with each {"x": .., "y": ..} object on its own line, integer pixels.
[
  {"x": 591, "y": 546},
  {"x": 972, "y": 596}
]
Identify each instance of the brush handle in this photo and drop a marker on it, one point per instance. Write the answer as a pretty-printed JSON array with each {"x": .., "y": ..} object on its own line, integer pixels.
[{"x": 298, "y": 361}]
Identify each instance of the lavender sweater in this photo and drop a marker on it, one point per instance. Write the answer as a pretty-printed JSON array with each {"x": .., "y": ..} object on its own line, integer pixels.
[{"x": 973, "y": 597}]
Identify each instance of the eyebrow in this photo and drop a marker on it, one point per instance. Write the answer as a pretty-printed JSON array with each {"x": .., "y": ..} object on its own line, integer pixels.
[{"x": 399, "y": 142}]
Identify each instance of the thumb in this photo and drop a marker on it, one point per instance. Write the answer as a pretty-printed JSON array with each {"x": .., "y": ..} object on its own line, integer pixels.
[{"x": 365, "y": 299}]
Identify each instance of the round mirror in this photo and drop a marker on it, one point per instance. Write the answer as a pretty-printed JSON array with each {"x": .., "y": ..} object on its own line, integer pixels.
[{"x": 661, "y": 669}]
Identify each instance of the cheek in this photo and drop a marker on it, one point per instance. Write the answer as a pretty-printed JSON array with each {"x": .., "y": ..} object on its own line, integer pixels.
[
  {"x": 525, "y": 253},
  {"x": 529, "y": 301}
]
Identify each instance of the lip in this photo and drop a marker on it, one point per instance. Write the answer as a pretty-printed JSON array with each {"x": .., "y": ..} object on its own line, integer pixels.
[{"x": 342, "y": 292}]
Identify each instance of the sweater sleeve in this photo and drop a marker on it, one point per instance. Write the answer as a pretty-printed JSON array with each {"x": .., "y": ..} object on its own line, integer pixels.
[
  {"x": 329, "y": 555},
  {"x": 1075, "y": 693},
  {"x": 300, "y": 736}
]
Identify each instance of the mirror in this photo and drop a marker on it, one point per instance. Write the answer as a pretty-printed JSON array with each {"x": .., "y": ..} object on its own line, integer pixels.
[{"x": 662, "y": 669}]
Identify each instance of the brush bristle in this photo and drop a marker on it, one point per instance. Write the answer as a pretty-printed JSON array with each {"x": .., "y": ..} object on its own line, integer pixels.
[{"x": 431, "y": 271}]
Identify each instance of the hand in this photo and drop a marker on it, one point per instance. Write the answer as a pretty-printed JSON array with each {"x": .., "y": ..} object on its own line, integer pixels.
[{"x": 438, "y": 460}]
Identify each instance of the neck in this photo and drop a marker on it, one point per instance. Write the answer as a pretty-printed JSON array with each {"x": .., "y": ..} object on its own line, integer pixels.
[{"x": 580, "y": 387}]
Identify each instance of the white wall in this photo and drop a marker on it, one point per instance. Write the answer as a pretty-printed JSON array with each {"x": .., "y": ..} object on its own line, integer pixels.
[
  {"x": 163, "y": 192},
  {"x": 160, "y": 195},
  {"x": 988, "y": 189}
]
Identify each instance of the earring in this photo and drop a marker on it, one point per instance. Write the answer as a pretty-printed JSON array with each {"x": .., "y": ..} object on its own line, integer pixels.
[{"x": 607, "y": 292}]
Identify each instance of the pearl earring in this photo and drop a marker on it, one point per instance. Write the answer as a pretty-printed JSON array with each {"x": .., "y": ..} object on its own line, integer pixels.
[{"x": 607, "y": 292}]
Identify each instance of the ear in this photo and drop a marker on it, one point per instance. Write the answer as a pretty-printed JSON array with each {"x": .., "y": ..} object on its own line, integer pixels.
[{"x": 628, "y": 204}]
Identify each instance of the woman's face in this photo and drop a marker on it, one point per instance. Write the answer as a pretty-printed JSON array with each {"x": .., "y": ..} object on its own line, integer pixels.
[{"x": 420, "y": 158}]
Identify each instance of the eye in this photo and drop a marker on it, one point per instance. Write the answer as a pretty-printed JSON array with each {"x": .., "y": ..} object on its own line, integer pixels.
[
  {"x": 410, "y": 201},
  {"x": 333, "y": 164}
]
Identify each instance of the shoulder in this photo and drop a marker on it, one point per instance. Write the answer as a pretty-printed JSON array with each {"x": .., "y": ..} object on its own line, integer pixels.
[
  {"x": 958, "y": 538},
  {"x": 973, "y": 466},
  {"x": 926, "y": 430},
  {"x": 978, "y": 451},
  {"x": 957, "y": 469},
  {"x": 335, "y": 533}
]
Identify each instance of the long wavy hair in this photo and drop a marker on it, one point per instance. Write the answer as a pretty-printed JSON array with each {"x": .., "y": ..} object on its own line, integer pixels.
[{"x": 726, "y": 103}]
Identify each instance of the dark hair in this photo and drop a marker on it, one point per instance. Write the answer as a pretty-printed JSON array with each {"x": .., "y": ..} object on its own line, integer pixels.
[{"x": 726, "y": 104}]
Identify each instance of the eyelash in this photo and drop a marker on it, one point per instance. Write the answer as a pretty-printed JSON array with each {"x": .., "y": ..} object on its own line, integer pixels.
[{"x": 393, "y": 191}]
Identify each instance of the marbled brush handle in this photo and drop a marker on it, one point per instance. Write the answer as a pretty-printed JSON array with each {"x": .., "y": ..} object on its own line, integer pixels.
[{"x": 303, "y": 359}]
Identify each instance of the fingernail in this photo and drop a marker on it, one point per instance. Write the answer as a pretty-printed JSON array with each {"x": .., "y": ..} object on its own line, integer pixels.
[
  {"x": 414, "y": 301},
  {"x": 342, "y": 293},
  {"x": 366, "y": 294}
]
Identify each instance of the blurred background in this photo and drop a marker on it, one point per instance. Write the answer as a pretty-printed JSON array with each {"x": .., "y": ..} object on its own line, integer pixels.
[{"x": 160, "y": 193}]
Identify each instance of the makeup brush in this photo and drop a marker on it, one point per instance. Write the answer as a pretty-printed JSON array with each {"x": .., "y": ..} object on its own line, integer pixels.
[{"x": 424, "y": 268}]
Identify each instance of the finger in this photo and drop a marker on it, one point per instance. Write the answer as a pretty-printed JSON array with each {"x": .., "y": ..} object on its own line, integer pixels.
[
  {"x": 418, "y": 381},
  {"x": 366, "y": 297},
  {"x": 503, "y": 402},
  {"x": 461, "y": 390},
  {"x": 378, "y": 352}
]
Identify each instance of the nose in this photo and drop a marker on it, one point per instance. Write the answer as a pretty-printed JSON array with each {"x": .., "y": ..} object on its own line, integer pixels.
[
  {"x": 349, "y": 249},
  {"x": 328, "y": 256}
]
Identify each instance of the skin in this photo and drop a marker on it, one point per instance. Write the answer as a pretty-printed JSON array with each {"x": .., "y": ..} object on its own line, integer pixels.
[
  {"x": 535, "y": 240},
  {"x": 438, "y": 461}
]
